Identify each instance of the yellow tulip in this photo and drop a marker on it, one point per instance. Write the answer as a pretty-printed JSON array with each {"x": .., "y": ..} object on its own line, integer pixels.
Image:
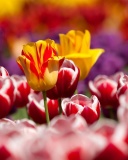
[
  {"x": 75, "y": 45},
  {"x": 40, "y": 63}
]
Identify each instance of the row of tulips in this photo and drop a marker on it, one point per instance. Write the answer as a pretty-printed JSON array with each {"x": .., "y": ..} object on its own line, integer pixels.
[
  {"x": 18, "y": 94},
  {"x": 106, "y": 91},
  {"x": 66, "y": 138},
  {"x": 105, "y": 100}
]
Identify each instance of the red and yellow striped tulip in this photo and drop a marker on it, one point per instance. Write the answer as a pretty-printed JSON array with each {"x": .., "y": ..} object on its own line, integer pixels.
[
  {"x": 75, "y": 45},
  {"x": 40, "y": 63}
]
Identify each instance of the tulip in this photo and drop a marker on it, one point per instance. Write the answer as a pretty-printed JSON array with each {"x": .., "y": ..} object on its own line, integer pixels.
[
  {"x": 75, "y": 45},
  {"x": 122, "y": 112},
  {"x": 115, "y": 148},
  {"x": 63, "y": 124},
  {"x": 21, "y": 91},
  {"x": 40, "y": 64},
  {"x": 36, "y": 108},
  {"x": 105, "y": 88},
  {"x": 122, "y": 85},
  {"x": 6, "y": 96},
  {"x": 67, "y": 81},
  {"x": 89, "y": 108}
]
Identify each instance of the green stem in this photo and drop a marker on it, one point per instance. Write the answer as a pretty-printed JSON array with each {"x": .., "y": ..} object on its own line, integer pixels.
[
  {"x": 46, "y": 107},
  {"x": 27, "y": 112},
  {"x": 76, "y": 91},
  {"x": 60, "y": 108},
  {"x": 111, "y": 113}
]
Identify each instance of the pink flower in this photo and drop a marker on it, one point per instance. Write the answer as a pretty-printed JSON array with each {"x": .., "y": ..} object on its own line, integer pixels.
[
  {"x": 67, "y": 138},
  {"x": 22, "y": 90},
  {"x": 36, "y": 108},
  {"x": 63, "y": 124},
  {"x": 13, "y": 136},
  {"x": 68, "y": 78},
  {"x": 116, "y": 144},
  {"x": 89, "y": 108}
]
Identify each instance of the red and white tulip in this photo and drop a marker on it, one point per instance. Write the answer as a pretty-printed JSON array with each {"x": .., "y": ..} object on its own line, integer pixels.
[
  {"x": 36, "y": 108},
  {"x": 21, "y": 91},
  {"x": 89, "y": 108},
  {"x": 105, "y": 88},
  {"x": 68, "y": 77},
  {"x": 6, "y": 96},
  {"x": 122, "y": 85}
]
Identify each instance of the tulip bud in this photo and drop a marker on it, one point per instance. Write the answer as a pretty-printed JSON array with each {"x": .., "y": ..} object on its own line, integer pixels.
[
  {"x": 89, "y": 108},
  {"x": 67, "y": 81}
]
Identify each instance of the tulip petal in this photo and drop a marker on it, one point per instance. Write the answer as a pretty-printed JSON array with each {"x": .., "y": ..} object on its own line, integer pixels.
[
  {"x": 51, "y": 71},
  {"x": 75, "y": 37},
  {"x": 95, "y": 54},
  {"x": 82, "y": 62},
  {"x": 40, "y": 49},
  {"x": 44, "y": 50},
  {"x": 85, "y": 61},
  {"x": 30, "y": 72},
  {"x": 86, "y": 43},
  {"x": 66, "y": 48},
  {"x": 29, "y": 51}
]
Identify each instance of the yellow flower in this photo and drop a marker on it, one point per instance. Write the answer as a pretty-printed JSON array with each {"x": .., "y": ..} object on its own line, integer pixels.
[
  {"x": 40, "y": 63},
  {"x": 75, "y": 45}
]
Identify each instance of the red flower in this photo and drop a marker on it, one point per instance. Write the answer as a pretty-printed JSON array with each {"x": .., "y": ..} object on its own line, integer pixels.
[
  {"x": 36, "y": 108},
  {"x": 89, "y": 108},
  {"x": 67, "y": 81},
  {"x": 22, "y": 90},
  {"x": 6, "y": 96}
]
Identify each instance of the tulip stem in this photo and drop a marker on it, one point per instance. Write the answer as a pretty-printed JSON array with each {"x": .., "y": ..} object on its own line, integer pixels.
[
  {"x": 76, "y": 91},
  {"x": 46, "y": 107},
  {"x": 111, "y": 113},
  {"x": 60, "y": 108},
  {"x": 27, "y": 113}
]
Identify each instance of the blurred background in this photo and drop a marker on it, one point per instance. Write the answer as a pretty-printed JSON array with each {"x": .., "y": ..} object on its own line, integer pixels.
[{"x": 22, "y": 21}]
